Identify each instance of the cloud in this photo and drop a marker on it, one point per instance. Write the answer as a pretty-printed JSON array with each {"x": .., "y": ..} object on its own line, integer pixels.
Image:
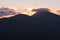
[
  {"x": 44, "y": 10},
  {"x": 41, "y": 10},
  {"x": 5, "y": 12}
]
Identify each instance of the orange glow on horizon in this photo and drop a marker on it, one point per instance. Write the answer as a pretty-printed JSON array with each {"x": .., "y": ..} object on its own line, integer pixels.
[{"x": 27, "y": 11}]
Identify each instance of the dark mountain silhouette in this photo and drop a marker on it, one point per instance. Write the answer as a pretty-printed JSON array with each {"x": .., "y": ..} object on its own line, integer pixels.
[
  {"x": 40, "y": 26},
  {"x": 50, "y": 21},
  {"x": 22, "y": 26}
]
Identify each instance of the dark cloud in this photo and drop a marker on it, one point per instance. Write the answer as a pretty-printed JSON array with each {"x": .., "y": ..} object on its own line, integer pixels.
[
  {"x": 41, "y": 10},
  {"x": 7, "y": 11}
]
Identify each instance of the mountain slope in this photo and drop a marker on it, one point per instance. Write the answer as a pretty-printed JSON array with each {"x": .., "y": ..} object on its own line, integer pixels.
[{"x": 39, "y": 26}]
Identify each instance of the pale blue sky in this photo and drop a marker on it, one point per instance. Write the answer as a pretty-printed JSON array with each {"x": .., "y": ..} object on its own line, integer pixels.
[{"x": 30, "y": 3}]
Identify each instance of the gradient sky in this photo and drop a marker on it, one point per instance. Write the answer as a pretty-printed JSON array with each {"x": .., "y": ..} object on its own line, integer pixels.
[{"x": 30, "y": 3}]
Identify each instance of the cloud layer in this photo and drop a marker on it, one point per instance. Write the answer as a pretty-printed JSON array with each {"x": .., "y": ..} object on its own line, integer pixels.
[{"x": 8, "y": 12}]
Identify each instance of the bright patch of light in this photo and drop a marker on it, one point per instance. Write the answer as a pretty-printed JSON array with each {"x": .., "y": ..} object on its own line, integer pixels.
[
  {"x": 29, "y": 9},
  {"x": 13, "y": 8}
]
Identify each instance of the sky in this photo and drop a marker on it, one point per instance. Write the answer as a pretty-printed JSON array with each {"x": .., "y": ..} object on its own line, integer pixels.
[{"x": 55, "y": 4}]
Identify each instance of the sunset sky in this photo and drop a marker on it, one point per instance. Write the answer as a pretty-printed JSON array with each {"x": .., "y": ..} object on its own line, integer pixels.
[{"x": 55, "y": 4}]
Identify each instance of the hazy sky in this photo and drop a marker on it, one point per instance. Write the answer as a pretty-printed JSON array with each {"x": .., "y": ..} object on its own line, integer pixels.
[{"x": 30, "y": 3}]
